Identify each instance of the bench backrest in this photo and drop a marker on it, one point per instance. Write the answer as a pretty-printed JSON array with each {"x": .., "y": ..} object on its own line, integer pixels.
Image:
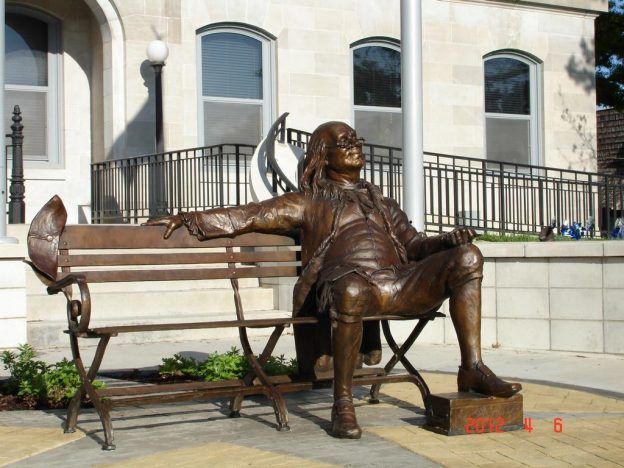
[{"x": 121, "y": 253}]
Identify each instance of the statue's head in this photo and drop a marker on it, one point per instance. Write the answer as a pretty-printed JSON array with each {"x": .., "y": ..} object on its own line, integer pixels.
[{"x": 332, "y": 145}]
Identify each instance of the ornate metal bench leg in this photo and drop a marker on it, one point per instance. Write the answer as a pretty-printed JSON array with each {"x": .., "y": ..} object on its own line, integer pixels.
[
  {"x": 281, "y": 413},
  {"x": 73, "y": 409},
  {"x": 237, "y": 401},
  {"x": 399, "y": 356},
  {"x": 87, "y": 388},
  {"x": 279, "y": 405},
  {"x": 72, "y": 412},
  {"x": 235, "y": 406}
]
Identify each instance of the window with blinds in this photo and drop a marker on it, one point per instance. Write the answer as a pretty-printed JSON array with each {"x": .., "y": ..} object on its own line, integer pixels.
[
  {"x": 235, "y": 86},
  {"x": 377, "y": 93},
  {"x": 31, "y": 61},
  {"x": 510, "y": 95}
]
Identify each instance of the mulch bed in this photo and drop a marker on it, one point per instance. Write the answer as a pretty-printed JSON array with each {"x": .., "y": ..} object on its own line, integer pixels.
[
  {"x": 16, "y": 403},
  {"x": 12, "y": 403}
]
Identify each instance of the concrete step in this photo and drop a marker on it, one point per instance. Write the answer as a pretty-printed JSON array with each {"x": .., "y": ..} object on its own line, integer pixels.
[{"x": 49, "y": 333}]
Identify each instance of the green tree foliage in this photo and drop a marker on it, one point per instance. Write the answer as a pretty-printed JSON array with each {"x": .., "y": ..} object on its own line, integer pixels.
[{"x": 610, "y": 56}]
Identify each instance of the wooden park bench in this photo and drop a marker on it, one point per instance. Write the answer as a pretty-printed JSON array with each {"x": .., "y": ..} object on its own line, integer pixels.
[{"x": 68, "y": 258}]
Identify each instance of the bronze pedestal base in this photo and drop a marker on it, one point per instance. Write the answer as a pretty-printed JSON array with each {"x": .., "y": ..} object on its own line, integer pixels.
[{"x": 464, "y": 413}]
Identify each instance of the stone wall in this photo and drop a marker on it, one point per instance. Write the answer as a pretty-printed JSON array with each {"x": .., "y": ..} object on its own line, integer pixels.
[
  {"x": 13, "y": 322},
  {"x": 564, "y": 296}
]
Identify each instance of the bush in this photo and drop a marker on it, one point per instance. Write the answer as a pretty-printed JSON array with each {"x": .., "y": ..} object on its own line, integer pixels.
[
  {"x": 224, "y": 366},
  {"x": 507, "y": 238},
  {"x": 39, "y": 383}
]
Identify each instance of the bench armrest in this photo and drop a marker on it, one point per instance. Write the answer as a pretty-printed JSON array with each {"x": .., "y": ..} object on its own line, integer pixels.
[
  {"x": 78, "y": 311},
  {"x": 58, "y": 286}
]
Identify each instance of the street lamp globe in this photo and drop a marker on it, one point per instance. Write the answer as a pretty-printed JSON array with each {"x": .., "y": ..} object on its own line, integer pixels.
[{"x": 157, "y": 52}]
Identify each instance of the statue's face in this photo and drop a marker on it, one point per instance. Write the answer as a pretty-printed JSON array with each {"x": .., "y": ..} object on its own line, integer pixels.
[{"x": 344, "y": 150}]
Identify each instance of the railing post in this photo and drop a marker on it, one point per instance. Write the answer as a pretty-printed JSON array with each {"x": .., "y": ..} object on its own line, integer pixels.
[
  {"x": 17, "y": 207},
  {"x": 540, "y": 197},
  {"x": 590, "y": 189},
  {"x": 501, "y": 198},
  {"x": 484, "y": 198}
]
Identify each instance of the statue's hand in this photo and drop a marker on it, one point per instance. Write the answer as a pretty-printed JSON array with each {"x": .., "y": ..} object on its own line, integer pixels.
[
  {"x": 170, "y": 222},
  {"x": 459, "y": 237}
]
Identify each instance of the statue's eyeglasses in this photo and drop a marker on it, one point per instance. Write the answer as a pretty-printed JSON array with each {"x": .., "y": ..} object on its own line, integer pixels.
[{"x": 348, "y": 144}]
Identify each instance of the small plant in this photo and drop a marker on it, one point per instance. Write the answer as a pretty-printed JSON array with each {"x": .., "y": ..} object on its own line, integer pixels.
[
  {"x": 39, "y": 383},
  {"x": 507, "y": 238},
  {"x": 221, "y": 366}
]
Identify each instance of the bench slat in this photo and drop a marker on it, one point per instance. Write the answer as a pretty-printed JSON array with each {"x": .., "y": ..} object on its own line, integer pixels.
[
  {"x": 154, "y": 389},
  {"x": 121, "y": 276},
  {"x": 106, "y": 236},
  {"x": 251, "y": 323},
  {"x": 181, "y": 258}
]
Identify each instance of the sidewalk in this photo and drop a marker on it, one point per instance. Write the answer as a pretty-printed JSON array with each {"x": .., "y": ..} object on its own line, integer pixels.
[{"x": 585, "y": 391}]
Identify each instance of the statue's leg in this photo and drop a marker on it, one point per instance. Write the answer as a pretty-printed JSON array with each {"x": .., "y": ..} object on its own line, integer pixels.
[
  {"x": 371, "y": 343},
  {"x": 464, "y": 283},
  {"x": 350, "y": 298},
  {"x": 454, "y": 274}
]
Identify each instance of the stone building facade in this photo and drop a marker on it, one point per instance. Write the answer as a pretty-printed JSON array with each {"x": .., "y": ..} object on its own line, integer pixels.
[{"x": 478, "y": 56}]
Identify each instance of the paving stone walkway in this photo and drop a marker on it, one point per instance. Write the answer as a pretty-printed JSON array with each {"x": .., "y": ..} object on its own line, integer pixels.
[{"x": 201, "y": 434}]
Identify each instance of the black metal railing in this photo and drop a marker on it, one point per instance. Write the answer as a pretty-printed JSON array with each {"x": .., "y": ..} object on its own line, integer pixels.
[
  {"x": 494, "y": 196},
  {"x": 489, "y": 196},
  {"x": 133, "y": 189}
]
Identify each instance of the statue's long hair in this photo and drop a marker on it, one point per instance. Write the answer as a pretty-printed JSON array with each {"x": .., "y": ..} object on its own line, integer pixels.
[
  {"x": 313, "y": 179},
  {"x": 314, "y": 182}
]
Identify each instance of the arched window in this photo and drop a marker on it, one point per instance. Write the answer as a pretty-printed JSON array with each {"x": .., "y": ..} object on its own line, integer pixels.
[
  {"x": 31, "y": 81},
  {"x": 511, "y": 109},
  {"x": 377, "y": 91},
  {"x": 236, "y": 84}
]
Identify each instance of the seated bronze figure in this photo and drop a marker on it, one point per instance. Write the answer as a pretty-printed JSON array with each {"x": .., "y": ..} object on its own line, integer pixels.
[{"x": 360, "y": 257}]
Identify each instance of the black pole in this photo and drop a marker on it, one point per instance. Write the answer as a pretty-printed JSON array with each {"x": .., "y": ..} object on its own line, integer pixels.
[
  {"x": 17, "y": 207},
  {"x": 160, "y": 142},
  {"x": 160, "y": 164}
]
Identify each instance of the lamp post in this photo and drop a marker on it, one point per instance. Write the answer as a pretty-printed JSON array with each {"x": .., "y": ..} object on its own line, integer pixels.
[{"x": 157, "y": 53}]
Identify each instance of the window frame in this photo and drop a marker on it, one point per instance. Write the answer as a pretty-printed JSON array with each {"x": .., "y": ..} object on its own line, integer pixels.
[
  {"x": 269, "y": 85},
  {"x": 388, "y": 43},
  {"x": 535, "y": 116},
  {"x": 54, "y": 95}
]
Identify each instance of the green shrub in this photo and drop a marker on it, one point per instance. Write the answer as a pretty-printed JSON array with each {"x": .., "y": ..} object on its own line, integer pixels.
[
  {"x": 508, "y": 238},
  {"x": 38, "y": 382},
  {"x": 221, "y": 366}
]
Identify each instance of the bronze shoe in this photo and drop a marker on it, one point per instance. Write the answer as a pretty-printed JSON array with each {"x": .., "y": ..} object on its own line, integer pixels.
[
  {"x": 372, "y": 357},
  {"x": 344, "y": 423},
  {"x": 481, "y": 379}
]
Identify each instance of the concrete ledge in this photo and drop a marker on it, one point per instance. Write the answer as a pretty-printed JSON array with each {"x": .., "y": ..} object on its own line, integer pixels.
[
  {"x": 501, "y": 249},
  {"x": 564, "y": 249}
]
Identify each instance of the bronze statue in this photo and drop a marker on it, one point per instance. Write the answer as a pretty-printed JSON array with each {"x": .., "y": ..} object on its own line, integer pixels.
[{"x": 360, "y": 257}]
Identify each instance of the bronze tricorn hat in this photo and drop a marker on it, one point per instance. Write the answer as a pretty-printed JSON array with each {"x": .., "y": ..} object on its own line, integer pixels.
[{"x": 43, "y": 237}]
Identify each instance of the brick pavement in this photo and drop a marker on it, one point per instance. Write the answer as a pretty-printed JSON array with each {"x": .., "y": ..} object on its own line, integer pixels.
[{"x": 200, "y": 434}]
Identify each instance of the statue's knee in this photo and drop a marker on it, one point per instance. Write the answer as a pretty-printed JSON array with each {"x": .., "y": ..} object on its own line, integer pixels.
[
  {"x": 351, "y": 296},
  {"x": 469, "y": 257}
]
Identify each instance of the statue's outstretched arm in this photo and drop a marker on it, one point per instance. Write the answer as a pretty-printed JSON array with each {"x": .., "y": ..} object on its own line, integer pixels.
[{"x": 274, "y": 216}]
